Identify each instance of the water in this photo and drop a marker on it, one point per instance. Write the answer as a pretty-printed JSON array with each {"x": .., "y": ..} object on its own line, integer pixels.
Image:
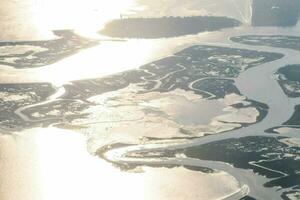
[{"x": 54, "y": 160}]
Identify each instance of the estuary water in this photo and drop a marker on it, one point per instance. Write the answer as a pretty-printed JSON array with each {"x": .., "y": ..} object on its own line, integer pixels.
[{"x": 75, "y": 162}]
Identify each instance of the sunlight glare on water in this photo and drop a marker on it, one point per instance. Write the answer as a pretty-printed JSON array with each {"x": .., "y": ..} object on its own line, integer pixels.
[
  {"x": 59, "y": 167},
  {"x": 84, "y": 16},
  {"x": 106, "y": 59},
  {"x": 69, "y": 172}
]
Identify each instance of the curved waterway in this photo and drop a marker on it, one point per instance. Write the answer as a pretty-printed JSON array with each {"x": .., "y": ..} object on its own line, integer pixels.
[
  {"x": 257, "y": 83},
  {"x": 55, "y": 97}
]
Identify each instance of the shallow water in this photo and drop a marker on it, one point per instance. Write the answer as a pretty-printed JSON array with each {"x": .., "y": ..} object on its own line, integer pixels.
[
  {"x": 53, "y": 164},
  {"x": 55, "y": 161}
]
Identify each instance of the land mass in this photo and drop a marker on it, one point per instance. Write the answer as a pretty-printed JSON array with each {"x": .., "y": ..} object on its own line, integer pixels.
[
  {"x": 31, "y": 54},
  {"x": 165, "y": 26},
  {"x": 280, "y": 41}
]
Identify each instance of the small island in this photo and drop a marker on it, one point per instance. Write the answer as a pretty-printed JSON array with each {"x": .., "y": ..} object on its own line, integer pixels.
[
  {"x": 289, "y": 79},
  {"x": 165, "y": 26}
]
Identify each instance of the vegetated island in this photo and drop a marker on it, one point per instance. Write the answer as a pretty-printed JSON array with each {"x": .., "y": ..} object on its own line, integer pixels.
[
  {"x": 31, "y": 54},
  {"x": 165, "y": 26},
  {"x": 289, "y": 79}
]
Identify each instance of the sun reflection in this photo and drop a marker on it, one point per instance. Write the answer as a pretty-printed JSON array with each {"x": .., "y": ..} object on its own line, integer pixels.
[
  {"x": 106, "y": 59},
  {"x": 52, "y": 163},
  {"x": 85, "y": 16},
  {"x": 69, "y": 172}
]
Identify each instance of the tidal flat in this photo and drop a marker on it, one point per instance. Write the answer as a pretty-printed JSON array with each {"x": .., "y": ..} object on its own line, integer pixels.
[
  {"x": 199, "y": 76},
  {"x": 31, "y": 54},
  {"x": 280, "y": 41},
  {"x": 273, "y": 158},
  {"x": 191, "y": 120}
]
